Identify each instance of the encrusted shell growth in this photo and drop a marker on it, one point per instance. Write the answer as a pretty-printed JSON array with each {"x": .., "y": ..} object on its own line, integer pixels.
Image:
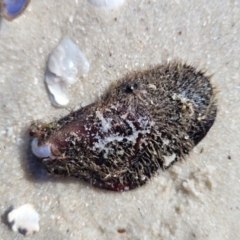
[{"x": 146, "y": 121}]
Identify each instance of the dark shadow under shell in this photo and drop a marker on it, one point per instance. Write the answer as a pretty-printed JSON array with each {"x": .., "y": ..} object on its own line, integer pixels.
[{"x": 145, "y": 121}]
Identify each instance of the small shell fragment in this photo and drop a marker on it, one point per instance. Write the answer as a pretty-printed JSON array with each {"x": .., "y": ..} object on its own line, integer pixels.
[
  {"x": 10, "y": 9},
  {"x": 24, "y": 220},
  {"x": 65, "y": 64},
  {"x": 107, "y": 3},
  {"x": 40, "y": 151}
]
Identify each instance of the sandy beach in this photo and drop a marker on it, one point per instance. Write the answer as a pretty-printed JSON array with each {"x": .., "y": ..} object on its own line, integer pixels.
[{"x": 197, "y": 198}]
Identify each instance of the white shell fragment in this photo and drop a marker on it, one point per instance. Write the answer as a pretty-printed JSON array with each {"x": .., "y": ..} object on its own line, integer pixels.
[
  {"x": 40, "y": 151},
  {"x": 65, "y": 65},
  {"x": 24, "y": 220},
  {"x": 168, "y": 160},
  {"x": 107, "y": 3}
]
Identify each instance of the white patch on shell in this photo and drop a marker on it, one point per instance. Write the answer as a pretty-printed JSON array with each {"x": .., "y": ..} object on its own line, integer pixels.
[
  {"x": 73, "y": 138},
  {"x": 24, "y": 220},
  {"x": 169, "y": 159},
  {"x": 65, "y": 64},
  {"x": 152, "y": 86},
  {"x": 165, "y": 141},
  {"x": 105, "y": 122},
  {"x": 43, "y": 151},
  {"x": 107, "y": 3},
  {"x": 102, "y": 142}
]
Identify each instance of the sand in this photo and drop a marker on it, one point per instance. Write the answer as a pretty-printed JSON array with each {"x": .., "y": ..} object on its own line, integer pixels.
[{"x": 197, "y": 198}]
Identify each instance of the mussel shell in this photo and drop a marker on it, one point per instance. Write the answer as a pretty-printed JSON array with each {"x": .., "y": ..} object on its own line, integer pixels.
[
  {"x": 146, "y": 121},
  {"x": 10, "y": 9}
]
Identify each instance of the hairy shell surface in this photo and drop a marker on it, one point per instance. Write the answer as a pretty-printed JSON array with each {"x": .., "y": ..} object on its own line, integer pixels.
[{"x": 144, "y": 122}]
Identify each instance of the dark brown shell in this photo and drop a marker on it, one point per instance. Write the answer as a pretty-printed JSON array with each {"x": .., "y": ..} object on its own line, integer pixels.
[{"x": 146, "y": 121}]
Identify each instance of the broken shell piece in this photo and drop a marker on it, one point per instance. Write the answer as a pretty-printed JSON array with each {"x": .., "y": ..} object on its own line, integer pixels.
[
  {"x": 107, "y": 3},
  {"x": 66, "y": 63},
  {"x": 10, "y": 9},
  {"x": 24, "y": 220},
  {"x": 168, "y": 160},
  {"x": 57, "y": 88},
  {"x": 40, "y": 151}
]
